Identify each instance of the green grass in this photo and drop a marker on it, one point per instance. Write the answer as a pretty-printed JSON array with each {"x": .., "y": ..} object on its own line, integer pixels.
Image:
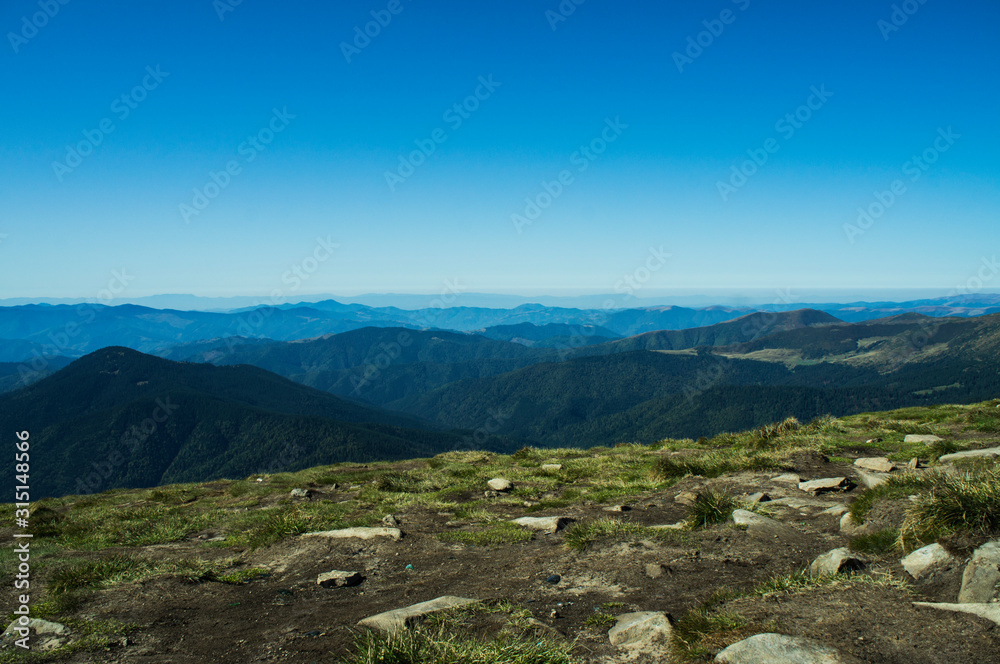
[
  {"x": 501, "y": 532},
  {"x": 894, "y": 488},
  {"x": 582, "y": 534},
  {"x": 711, "y": 507},
  {"x": 697, "y": 626},
  {"x": 878, "y": 543},
  {"x": 422, "y": 646},
  {"x": 968, "y": 503},
  {"x": 243, "y": 576}
]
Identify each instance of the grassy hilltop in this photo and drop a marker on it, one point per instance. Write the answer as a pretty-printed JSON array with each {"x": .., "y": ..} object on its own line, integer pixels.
[{"x": 219, "y": 570}]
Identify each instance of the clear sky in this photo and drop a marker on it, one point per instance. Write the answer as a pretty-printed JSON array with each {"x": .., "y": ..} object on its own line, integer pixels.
[{"x": 351, "y": 169}]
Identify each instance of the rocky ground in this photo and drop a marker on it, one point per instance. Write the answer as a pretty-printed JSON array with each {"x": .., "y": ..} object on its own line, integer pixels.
[{"x": 706, "y": 583}]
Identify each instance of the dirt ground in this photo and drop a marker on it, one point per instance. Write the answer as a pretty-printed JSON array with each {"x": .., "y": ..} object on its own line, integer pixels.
[{"x": 287, "y": 617}]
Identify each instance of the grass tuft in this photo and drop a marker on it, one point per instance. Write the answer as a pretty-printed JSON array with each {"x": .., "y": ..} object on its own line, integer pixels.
[
  {"x": 421, "y": 646},
  {"x": 967, "y": 503}
]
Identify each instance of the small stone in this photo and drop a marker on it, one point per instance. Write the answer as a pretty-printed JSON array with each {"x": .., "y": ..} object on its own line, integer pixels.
[
  {"x": 757, "y": 524},
  {"x": 988, "y": 453},
  {"x": 685, "y": 498},
  {"x": 981, "y": 579},
  {"x": 925, "y": 560},
  {"x": 878, "y": 464},
  {"x": 848, "y": 527},
  {"x": 618, "y": 508},
  {"x": 779, "y": 649},
  {"x": 390, "y": 521},
  {"x": 553, "y": 579},
  {"x": 642, "y": 629},
  {"x": 360, "y": 533},
  {"x": 337, "y": 579},
  {"x": 759, "y": 497},
  {"x": 913, "y": 464},
  {"x": 500, "y": 484},
  {"x": 836, "y": 562},
  {"x": 787, "y": 478},
  {"x": 826, "y": 484},
  {"x": 921, "y": 438},
  {"x": 836, "y": 510},
  {"x": 551, "y": 467},
  {"x": 397, "y": 619},
  {"x": 551, "y": 524},
  {"x": 553, "y": 614},
  {"x": 656, "y": 570},
  {"x": 300, "y": 493}
]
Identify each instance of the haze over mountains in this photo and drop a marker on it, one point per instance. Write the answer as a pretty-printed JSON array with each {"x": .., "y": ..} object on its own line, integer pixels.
[{"x": 347, "y": 382}]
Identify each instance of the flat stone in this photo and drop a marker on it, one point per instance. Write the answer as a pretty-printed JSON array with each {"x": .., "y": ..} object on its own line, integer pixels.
[
  {"x": 758, "y": 524},
  {"x": 759, "y": 497},
  {"x": 836, "y": 561},
  {"x": 878, "y": 464},
  {"x": 989, "y": 452},
  {"x": 552, "y": 466},
  {"x": 826, "y": 484},
  {"x": 640, "y": 630},
  {"x": 656, "y": 570},
  {"x": 913, "y": 464},
  {"x": 836, "y": 510},
  {"x": 981, "y": 579},
  {"x": 787, "y": 478},
  {"x": 39, "y": 626},
  {"x": 798, "y": 502},
  {"x": 921, "y": 438},
  {"x": 300, "y": 493},
  {"x": 618, "y": 508},
  {"x": 397, "y": 619},
  {"x": 500, "y": 484},
  {"x": 780, "y": 649},
  {"x": 551, "y": 524},
  {"x": 680, "y": 525},
  {"x": 990, "y": 611},
  {"x": 360, "y": 533},
  {"x": 685, "y": 498},
  {"x": 871, "y": 480},
  {"x": 337, "y": 579},
  {"x": 925, "y": 560}
]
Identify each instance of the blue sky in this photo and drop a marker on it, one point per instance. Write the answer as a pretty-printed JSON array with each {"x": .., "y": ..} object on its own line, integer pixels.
[{"x": 310, "y": 209}]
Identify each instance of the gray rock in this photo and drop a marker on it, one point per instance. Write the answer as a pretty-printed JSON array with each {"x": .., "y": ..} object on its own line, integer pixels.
[
  {"x": 989, "y": 611},
  {"x": 835, "y": 562},
  {"x": 759, "y": 497},
  {"x": 878, "y": 464},
  {"x": 836, "y": 510},
  {"x": 925, "y": 560},
  {"x": 685, "y": 498},
  {"x": 848, "y": 527},
  {"x": 762, "y": 525},
  {"x": 989, "y": 452},
  {"x": 392, "y": 621},
  {"x": 644, "y": 629},
  {"x": 656, "y": 570},
  {"x": 913, "y": 464},
  {"x": 39, "y": 626},
  {"x": 780, "y": 649},
  {"x": 360, "y": 533},
  {"x": 871, "y": 480},
  {"x": 981, "y": 580},
  {"x": 550, "y": 524},
  {"x": 826, "y": 484},
  {"x": 552, "y": 466},
  {"x": 618, "y": 508},
  {"x": 300, "y": 493},
  {"x": 390, "y": 521},
  {"x": 921, "y": 438},
  {"x": 787, "y": 478},
  {"x": 337, "y": 579},
  {"x": 500, "y": 484}
]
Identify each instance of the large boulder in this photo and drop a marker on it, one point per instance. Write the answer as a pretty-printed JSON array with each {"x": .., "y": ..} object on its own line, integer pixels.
[
  {"x": 780, "y": 649},
  {"x": 835, "y": 562},
  {"x": 926, "y": 560},
  {"x": 981, "y": 580}
]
